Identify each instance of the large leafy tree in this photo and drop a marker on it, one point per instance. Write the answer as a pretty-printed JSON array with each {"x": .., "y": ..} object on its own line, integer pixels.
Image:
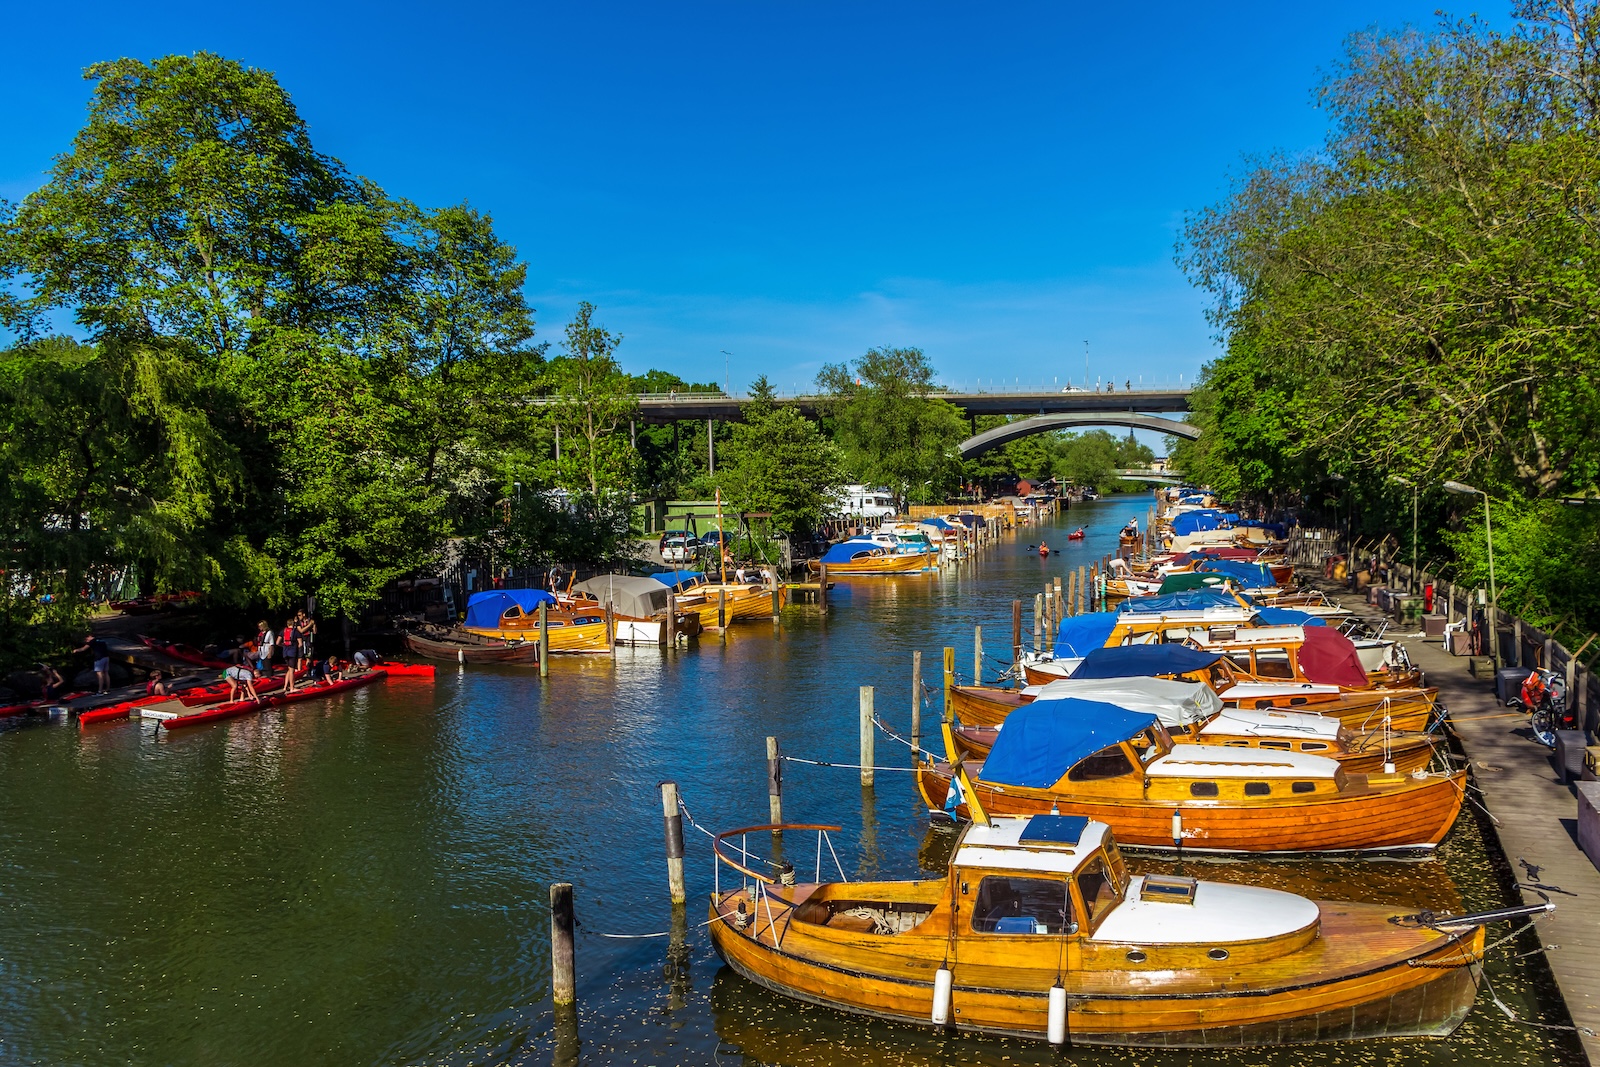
[
  {"x": 894, "y": 428},
  {"x": 594, "y": 406},
  {"x": 778, "y": 462}
]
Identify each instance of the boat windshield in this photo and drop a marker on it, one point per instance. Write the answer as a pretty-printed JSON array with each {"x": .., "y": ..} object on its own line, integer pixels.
[
  {"x": 1097, "y": 885},
  {"x": 1010, "y": 905}
]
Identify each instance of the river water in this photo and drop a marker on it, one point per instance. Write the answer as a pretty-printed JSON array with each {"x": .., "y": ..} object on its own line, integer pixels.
[{"x": 365, "y": 880}]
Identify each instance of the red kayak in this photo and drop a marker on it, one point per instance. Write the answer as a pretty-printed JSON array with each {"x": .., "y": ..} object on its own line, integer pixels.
[
  {"x": 245, "y": 707},
  {"x": 116, "y": 711},
  {"x": 1076, "y": 535},
  {"x": 183, "y": 653},
  {"x": 409, "y": 670}
]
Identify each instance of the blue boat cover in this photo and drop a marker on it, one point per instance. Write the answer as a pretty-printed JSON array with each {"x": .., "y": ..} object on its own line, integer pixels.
[
  {"x": 1081, "y": 634},
  {"x": 1248, "y": 575},
  {"x": 1041, "y": 741},
  {"x": 1192, "y": 522},
  {"x": 677, "y": 579},
  {"x": 1287, "y": 617},
  {"x": 1142, "y": 661},
  {"x": 936, "y": 523},
  {"x": 845, "y": 551},
  {"x": 484, "y": 609},
  {"x": 1188, "y": 600}
]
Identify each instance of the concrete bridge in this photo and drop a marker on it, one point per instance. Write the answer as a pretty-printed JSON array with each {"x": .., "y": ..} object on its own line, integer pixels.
[
  {"x": 1067, "y": 420},
  {"x": 670, "y": 407},
  {"x": 1137, "y": 474}
]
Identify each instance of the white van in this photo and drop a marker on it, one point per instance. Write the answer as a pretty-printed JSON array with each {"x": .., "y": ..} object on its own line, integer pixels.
[{"x": 857, "y": 501}]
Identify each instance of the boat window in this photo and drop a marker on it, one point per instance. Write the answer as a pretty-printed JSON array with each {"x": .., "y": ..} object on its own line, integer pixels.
[
  {"x": 1285, "y": 745},
  {"x": 1109, "y": 762},
  {"x": 1007, "y": 905},
  {"x": 1119, "y": 870},
  {"x": 1098, "y": 890},
  {"x": 1257, "y": 789},
  {"x": 1303, "y": 787},
  {"x": 1314, "y": 746},
  {"x": 1202, "y": 789}
]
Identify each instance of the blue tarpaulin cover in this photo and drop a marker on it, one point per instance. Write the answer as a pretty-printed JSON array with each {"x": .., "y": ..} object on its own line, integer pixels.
[
  {"x": 1287, "y": 617},
  {"x": 1249, "y": 575},
  {"x": 1188, "y": 600},
  {"x": 678, "y": 579},
  {"x": 1080, "y": 634},
  {"x": 1192, "y": 522},
  {"x": 1142, "y": 661},
  {"x": 936, "y": 523},
  {"x": 1041, "y": 741},
  {"x": 845, "y": 551},
  {"x": 484, "y": 609}
]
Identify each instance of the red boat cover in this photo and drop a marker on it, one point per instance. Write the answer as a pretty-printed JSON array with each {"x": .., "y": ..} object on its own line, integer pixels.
[{"x": 1328, "y": 658}]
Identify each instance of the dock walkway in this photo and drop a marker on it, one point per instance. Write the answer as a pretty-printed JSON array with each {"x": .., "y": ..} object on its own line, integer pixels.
[{"x": 1535, "y": 816}]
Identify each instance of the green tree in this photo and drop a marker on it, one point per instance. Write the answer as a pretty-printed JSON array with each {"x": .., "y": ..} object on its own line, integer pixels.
[
  {"x": 595, "y": 404},
  {"x": 778, "y": 462},
  {"x": 893, "y": 427}
]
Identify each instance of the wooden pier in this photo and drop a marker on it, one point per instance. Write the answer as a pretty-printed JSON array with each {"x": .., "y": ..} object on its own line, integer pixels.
[{"x": 1534, "y": 813}]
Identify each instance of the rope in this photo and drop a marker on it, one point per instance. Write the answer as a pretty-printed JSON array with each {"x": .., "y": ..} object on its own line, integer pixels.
[
  {"x": 891, "y": 735},
  {"x": 845, "y": 766}
]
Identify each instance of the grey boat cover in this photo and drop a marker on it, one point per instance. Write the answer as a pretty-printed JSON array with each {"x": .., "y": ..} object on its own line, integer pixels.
[
  {"x": 1176, "y": 704},
  {"x": 627, "y": 595}
]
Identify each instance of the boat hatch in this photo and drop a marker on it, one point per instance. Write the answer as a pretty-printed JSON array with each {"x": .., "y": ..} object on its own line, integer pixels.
[
  {"x": 1168, "y": 888},
  {"x": 1054, "y": 829}
]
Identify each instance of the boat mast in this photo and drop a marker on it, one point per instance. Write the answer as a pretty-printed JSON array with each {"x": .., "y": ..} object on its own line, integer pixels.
[{"x": 722, "y": 547}]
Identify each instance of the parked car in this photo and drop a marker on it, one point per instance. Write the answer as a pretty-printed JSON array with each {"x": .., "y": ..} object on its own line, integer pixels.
[{"x": 680, "y": 548}]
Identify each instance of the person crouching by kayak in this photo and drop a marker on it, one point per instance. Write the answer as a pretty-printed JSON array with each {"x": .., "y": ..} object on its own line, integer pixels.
[
  {"x": 155, "y": 685},
  {"x": 241, "y": 676},
  {"x": 50, "y": 682},
  {"x": 290, "y": 643},
  {"x": 364, "y": 659}
]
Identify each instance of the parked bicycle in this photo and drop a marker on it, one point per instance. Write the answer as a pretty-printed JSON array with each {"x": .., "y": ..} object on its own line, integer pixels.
[{"x": 1544, "y": 698}]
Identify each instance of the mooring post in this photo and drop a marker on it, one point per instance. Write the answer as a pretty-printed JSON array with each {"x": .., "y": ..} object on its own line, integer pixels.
[
  {"x": 868, "y": 735},
  {"x": 949, "y": 678},
  {"x": 1016, "y": 631},
  {"x": 1094, "y": 587},
  {"x": 1053, "y": 590},
  {"x": 722, "y": 611},
  {"x": 669, "y": 628},
  {"x": 611, "y": 627},
  {"x": 822, "y": 588},
  {"x": 1038, "y": 622},
  {"x": 1072, "y": 579},
  {"x": 916, "y": 703},
  {"x": 774, "y": 782},
  {"x": 1082, "y": 574},
  {"x": 544, "y": 639},
  {"x": 563, "y": 983},
  {"x": 777, "y": 594},
  {"x": 673, "y": 820},
  {"x": 977, "y": 655}
]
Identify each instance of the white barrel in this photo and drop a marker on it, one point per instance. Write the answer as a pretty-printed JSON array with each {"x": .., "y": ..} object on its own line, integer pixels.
[
  {"x": 1177, "y": 826},
  {"x": 942, "y": 984},
  {"x": 1056, "y": 1029}
]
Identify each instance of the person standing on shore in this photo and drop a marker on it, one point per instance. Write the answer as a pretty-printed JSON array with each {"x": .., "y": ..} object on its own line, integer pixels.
[
  {"x": 265, "y": 642},
  {"x": 306, "y": 632},
  {"x": 102, "y": 661}
]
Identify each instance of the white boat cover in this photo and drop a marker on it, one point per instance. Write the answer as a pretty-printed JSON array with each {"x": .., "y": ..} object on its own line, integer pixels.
[
  {"x": 1176, "y": 704},
  {"x": 1239, "y": 722}
]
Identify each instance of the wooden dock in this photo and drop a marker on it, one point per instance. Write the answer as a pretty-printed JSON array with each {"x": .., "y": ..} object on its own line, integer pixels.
[{"x": 1535, "y": 817}]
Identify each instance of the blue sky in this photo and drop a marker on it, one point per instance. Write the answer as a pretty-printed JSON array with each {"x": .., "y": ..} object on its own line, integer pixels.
[{"x": 791, "y": 183}]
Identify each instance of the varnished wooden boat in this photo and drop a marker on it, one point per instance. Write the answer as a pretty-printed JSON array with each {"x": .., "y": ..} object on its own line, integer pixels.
[
  {"x": 879, "y": 561},
  {"x": 569, "y": 632},
  {"x": 741, "y": 602},
  {"x": 462, "y": 647},
  {"x": 1039, "y": 931},
  {"x": 1225, "y": 799}
]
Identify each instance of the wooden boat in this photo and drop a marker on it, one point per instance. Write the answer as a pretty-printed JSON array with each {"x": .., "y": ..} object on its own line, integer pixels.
[
  {"x": 459, "y": 646},
  {"x": 865, "y": 557},
  {"x": 1038, "y": 930},
  {"x": 569, "y": 632},
  {"x": 708, "y": 602},
  {"x": 245, "y": 707},
  {"x": 1086, "y": 758}
]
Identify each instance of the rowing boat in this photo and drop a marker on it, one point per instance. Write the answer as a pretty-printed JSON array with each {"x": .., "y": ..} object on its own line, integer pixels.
[{"x": 458, "y": 646}]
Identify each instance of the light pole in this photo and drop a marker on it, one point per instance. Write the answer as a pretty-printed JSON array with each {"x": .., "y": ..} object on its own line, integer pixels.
[
  {"x": 727, "y": 381},
  {"x": 1488, "y": 540},
  {"x": 1411, "y": 586}
]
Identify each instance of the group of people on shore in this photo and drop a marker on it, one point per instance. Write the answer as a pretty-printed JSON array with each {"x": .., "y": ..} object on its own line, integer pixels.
[{"x": 295, "y": 646}]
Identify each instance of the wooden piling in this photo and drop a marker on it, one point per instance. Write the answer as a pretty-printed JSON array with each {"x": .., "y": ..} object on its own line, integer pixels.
[
  {"x": 1016, "y": 631},
  {"x": 777, "y": 596},
  {"x": 977, "y": 655},
  {"x": 916, "y": 703},
  {"x": 1081, "y": 575},
  {"x": 1038, "y": 621},
  {"x": 672, "y": 819},
  {"x": 949, "y": 678},
  {"x": 868, "y": 735},
  {"x": 774, "y": 782},
  {"x": 563, "y": 980},
  {"x": 1072, "y": 582},
  {"x": 722, "y": 611},
  {"x": 1057, "y": 612},
  {"x": 544, "y": 639},
  {"x": 611, "y": 627},
  {"x": 822, "y": 588},
  {"x": 669, "y": 628}
]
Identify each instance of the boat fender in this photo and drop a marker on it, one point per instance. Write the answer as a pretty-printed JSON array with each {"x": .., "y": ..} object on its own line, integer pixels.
[
  {"x": 942, "y": 985},
  {"x": 1056, "y": 1028}
]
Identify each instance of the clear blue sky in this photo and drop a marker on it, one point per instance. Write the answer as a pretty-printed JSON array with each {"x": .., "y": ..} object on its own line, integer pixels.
[{"x": 792, "y": 183}]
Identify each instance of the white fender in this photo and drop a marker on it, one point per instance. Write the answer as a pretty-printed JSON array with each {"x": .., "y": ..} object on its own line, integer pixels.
[
  {"x": 1056, "y": 1030},
  {"x": 942, "y": 984}
]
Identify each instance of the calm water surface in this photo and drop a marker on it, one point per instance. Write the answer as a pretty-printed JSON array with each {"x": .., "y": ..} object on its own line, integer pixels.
[{"x": 365, "y": 880}]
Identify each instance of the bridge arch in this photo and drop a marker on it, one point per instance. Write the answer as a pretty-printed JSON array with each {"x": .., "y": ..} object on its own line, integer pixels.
[{"x": 1011, "y": 431}]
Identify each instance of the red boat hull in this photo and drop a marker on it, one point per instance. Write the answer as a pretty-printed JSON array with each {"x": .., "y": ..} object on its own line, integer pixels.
[{"x": 245, "y": 707}]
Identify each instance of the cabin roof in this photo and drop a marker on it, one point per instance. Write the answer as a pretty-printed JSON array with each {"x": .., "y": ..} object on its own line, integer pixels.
[
  {"x": 1255, "y": 635},
  {"x": 1221, "y": 761},
  {"x": 1271, "y": 723},
  {"x": 1000, "y": 845},
  {"x": 1262, "y": 690}
]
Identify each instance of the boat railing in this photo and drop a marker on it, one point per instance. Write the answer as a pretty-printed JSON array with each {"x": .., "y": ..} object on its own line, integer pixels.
[{"x": 757, "y": 881}]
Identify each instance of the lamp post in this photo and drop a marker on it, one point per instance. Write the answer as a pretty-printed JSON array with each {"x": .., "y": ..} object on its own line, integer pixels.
[
  {"x": 1488, "y": 540},
  {"x": 1411, "y": 587}
]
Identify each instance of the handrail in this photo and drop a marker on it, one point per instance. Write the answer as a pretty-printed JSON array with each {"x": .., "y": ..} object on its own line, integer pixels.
[{"x": 716, "y": 845}]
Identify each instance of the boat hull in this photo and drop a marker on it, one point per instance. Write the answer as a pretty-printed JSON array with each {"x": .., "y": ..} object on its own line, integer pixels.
[
  {"x": 1413, "y": 815},
  {"x": 904, "y": 563},
  {"x": 1425, "y": 993},
  {"x": 464, "y": 652}
]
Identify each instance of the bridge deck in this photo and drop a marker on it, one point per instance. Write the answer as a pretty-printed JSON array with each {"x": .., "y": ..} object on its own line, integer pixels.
[{"x": 669, "y": 407}]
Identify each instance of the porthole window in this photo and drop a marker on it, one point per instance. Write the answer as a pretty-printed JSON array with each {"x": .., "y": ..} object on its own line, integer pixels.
[
  {"x": 1304, "y": 787},
  {"x": 1257, "y": 789},
  {"x": 1135, "y": 956},
  {"x": 1202, "y": 789},
  {"x": 1218, "y": 954}
]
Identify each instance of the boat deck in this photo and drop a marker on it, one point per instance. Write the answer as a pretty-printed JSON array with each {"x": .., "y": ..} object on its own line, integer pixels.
[{"x": 1535, "y": 817}]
